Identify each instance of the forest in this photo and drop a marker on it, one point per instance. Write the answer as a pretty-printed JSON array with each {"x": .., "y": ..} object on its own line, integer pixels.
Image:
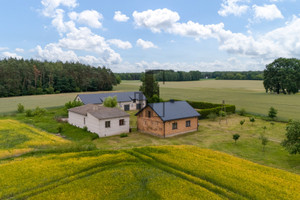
[
  {"x": 30, "y": 77},
  {"x": 170, "y": 75}
]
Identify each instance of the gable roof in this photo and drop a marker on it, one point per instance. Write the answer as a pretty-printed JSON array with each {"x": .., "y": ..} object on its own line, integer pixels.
[
  {"x": 98, "y": 111},
  {"x": 121, "y": 97},
  {"x": 168, "y": 111}
]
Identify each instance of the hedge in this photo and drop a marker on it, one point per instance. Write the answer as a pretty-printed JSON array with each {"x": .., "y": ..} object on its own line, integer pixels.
[{"x": 207, "y": 108}]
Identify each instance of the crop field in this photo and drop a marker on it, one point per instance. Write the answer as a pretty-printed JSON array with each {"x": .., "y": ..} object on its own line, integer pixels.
[
  {"x": 249, "y": 95},
  {"x": 169, "y": 172},
  {"x": 17, "y": 138}
]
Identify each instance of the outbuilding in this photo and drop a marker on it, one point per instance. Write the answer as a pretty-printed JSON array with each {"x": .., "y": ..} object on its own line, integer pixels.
[
  {"x": 126, "y": 100},
  {"x": 99, "y": 119},
  {"x": 167, "y": 119}
]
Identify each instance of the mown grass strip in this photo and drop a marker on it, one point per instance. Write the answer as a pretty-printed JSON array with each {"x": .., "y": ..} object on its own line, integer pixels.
[{"x": 222, "y": 192}]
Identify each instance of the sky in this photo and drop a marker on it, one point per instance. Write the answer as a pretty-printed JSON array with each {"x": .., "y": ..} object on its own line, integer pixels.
[{"x": 135, "y": 35}]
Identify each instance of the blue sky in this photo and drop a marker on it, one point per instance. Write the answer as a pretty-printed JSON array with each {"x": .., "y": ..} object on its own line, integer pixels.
[{"x": 134, "y": 35}]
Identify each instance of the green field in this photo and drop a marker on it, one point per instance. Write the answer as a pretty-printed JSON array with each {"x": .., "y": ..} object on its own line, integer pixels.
[
  {"x": 249, "y": 95},
  {"x": 169, "y": 172},
  {"x": 18, "y": 138}
]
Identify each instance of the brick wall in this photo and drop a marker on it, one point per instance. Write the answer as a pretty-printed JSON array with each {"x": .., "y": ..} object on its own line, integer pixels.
[{"x": 155, "y": 126}]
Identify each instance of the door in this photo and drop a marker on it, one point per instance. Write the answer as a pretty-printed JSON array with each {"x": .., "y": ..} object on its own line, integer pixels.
[
  {"x": 126, "y": 107},
  {"x": 138, "y": 106}
]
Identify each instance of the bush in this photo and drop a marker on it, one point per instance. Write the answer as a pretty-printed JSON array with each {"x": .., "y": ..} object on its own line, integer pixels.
[
  {"x": 29, "y": 113},
  {"x": 20, "y": 108},
  {"x": 124, "y": 135},
  {"x": 59, "y": 129},
  {"x": 272, "y": 113},
  {"x": 212, "y": 116},
  {"x": 39, "y": 111},
  {"x": 85, "y": 128},
  {"x": 242, "y": 112},
  {"x": 235, "y": 137},
  {"x": 73, "y": 104},
  {"x": 252, "y": 119},
  {"x": 222, "y": 114},
  {"x": 110, "y": 102}
]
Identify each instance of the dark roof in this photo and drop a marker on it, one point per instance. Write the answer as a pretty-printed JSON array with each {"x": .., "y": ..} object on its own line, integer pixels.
[
  {"x": 173, "y": 110},
  {"x": 121, "y": 97},
  {"x": 100, "y": 112}
]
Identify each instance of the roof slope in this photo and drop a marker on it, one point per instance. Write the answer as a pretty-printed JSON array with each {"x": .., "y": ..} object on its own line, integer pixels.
[
  {"x": 100, "y": 112},
  {"x": 173, "y": 110},
  {"x": 121, "y": 97}
]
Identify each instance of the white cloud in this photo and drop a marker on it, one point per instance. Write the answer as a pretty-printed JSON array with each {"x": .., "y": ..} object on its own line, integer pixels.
[
  {"x": 145, "y": 44},
  {"x": 231, "y": 7},
  {"x": 7, "y": 54},
  {"x": 53, "y": 52},
  {"x": 88, "y": 17},
  {"x": 3, "y": 48},
  {"x": 81, "y": 39},
  {"x": 20, "y": 50},
  {"x": 281, "y": 42},
  {"x": 119, "y": 17},
  {"x": 58, "y": 21},
  {"x": 51, "y": 5},
  {"x": 120, "y": 44},
  {"x": 156, "y": 20},
  {"x": 268, "y": 12}
]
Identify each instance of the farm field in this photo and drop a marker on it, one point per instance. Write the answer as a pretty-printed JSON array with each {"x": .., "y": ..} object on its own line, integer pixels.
[
  {"x": 168, "y": 172},
  {"x": 18, "y": 138},
  {"x": 249, "y": 95}
]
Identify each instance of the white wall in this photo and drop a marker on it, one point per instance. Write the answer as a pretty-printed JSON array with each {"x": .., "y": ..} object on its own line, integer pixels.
[
  {"x": 132, "y": 106},
  {"x": 76, "y": 119},
  {"x": 97, "y": 126},
  {"x": 115, "y": 128}
]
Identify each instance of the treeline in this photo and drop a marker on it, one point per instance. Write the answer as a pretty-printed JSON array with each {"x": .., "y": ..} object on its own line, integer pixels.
[
  {"x": 170, "y": 75},
  {"x": 167, "y": 75},
  {"x": 248, "y": 75},
  {"x": 30, "y": 77}
]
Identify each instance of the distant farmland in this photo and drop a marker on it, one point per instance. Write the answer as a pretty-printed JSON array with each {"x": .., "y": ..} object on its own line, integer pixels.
[{"x": 249, "y": 95}]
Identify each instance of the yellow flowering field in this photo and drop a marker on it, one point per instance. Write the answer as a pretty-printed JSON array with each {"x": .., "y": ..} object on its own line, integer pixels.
[
  {"x": 250, "y": 180},
  {"x": 162, "y": 172},
  {"x": 18, "y": 138}
]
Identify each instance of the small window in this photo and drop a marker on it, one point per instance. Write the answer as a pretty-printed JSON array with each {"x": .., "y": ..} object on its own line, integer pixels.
[
  {"x": 188, "y": 123},
  {"x": 149, "y": 114},
  {"x": 133, "y": 100},
  {"x": 121, "y": 122},
  {"x": 107, "y": 124},
  {"x": 174, "y": 125}
]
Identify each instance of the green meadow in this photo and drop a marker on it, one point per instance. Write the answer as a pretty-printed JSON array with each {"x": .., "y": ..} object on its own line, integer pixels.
[{"x": 249, "y": 95}]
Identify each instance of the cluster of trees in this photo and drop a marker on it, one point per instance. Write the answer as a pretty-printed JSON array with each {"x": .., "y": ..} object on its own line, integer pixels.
[
  {"x": 165, "y": 75},
  {"x": 282, "y": 76},
  {"x": 170, "y": 75},
  {"x": 249, "y": 75},
  {"x": 29, "y": 77}
]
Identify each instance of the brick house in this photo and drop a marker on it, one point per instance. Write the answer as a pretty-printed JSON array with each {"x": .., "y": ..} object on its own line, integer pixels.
[
  {"x": 167, "y": 119},
  {"x": 126, "y": 100}
]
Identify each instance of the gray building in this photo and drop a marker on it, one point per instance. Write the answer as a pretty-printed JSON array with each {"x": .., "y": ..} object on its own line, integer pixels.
[{"x": 126, "y": 100}]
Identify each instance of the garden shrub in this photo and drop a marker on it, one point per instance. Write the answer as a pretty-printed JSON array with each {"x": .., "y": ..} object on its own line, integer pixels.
[
  {"x": 29, "y": 113},
  {"x": 123, "y": 135},
  {"x": 20, "y": 108}
]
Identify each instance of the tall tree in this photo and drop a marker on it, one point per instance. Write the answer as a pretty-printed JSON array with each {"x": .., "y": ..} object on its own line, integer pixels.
[
  {"x": 149, "y": 85},
  {"x": 282, "y": 75}
]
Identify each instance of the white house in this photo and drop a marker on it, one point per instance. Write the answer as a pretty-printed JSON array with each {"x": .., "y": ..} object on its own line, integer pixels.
[
  {"x": 99, "y": 119},
  {"x": 126, "y": 100}
]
